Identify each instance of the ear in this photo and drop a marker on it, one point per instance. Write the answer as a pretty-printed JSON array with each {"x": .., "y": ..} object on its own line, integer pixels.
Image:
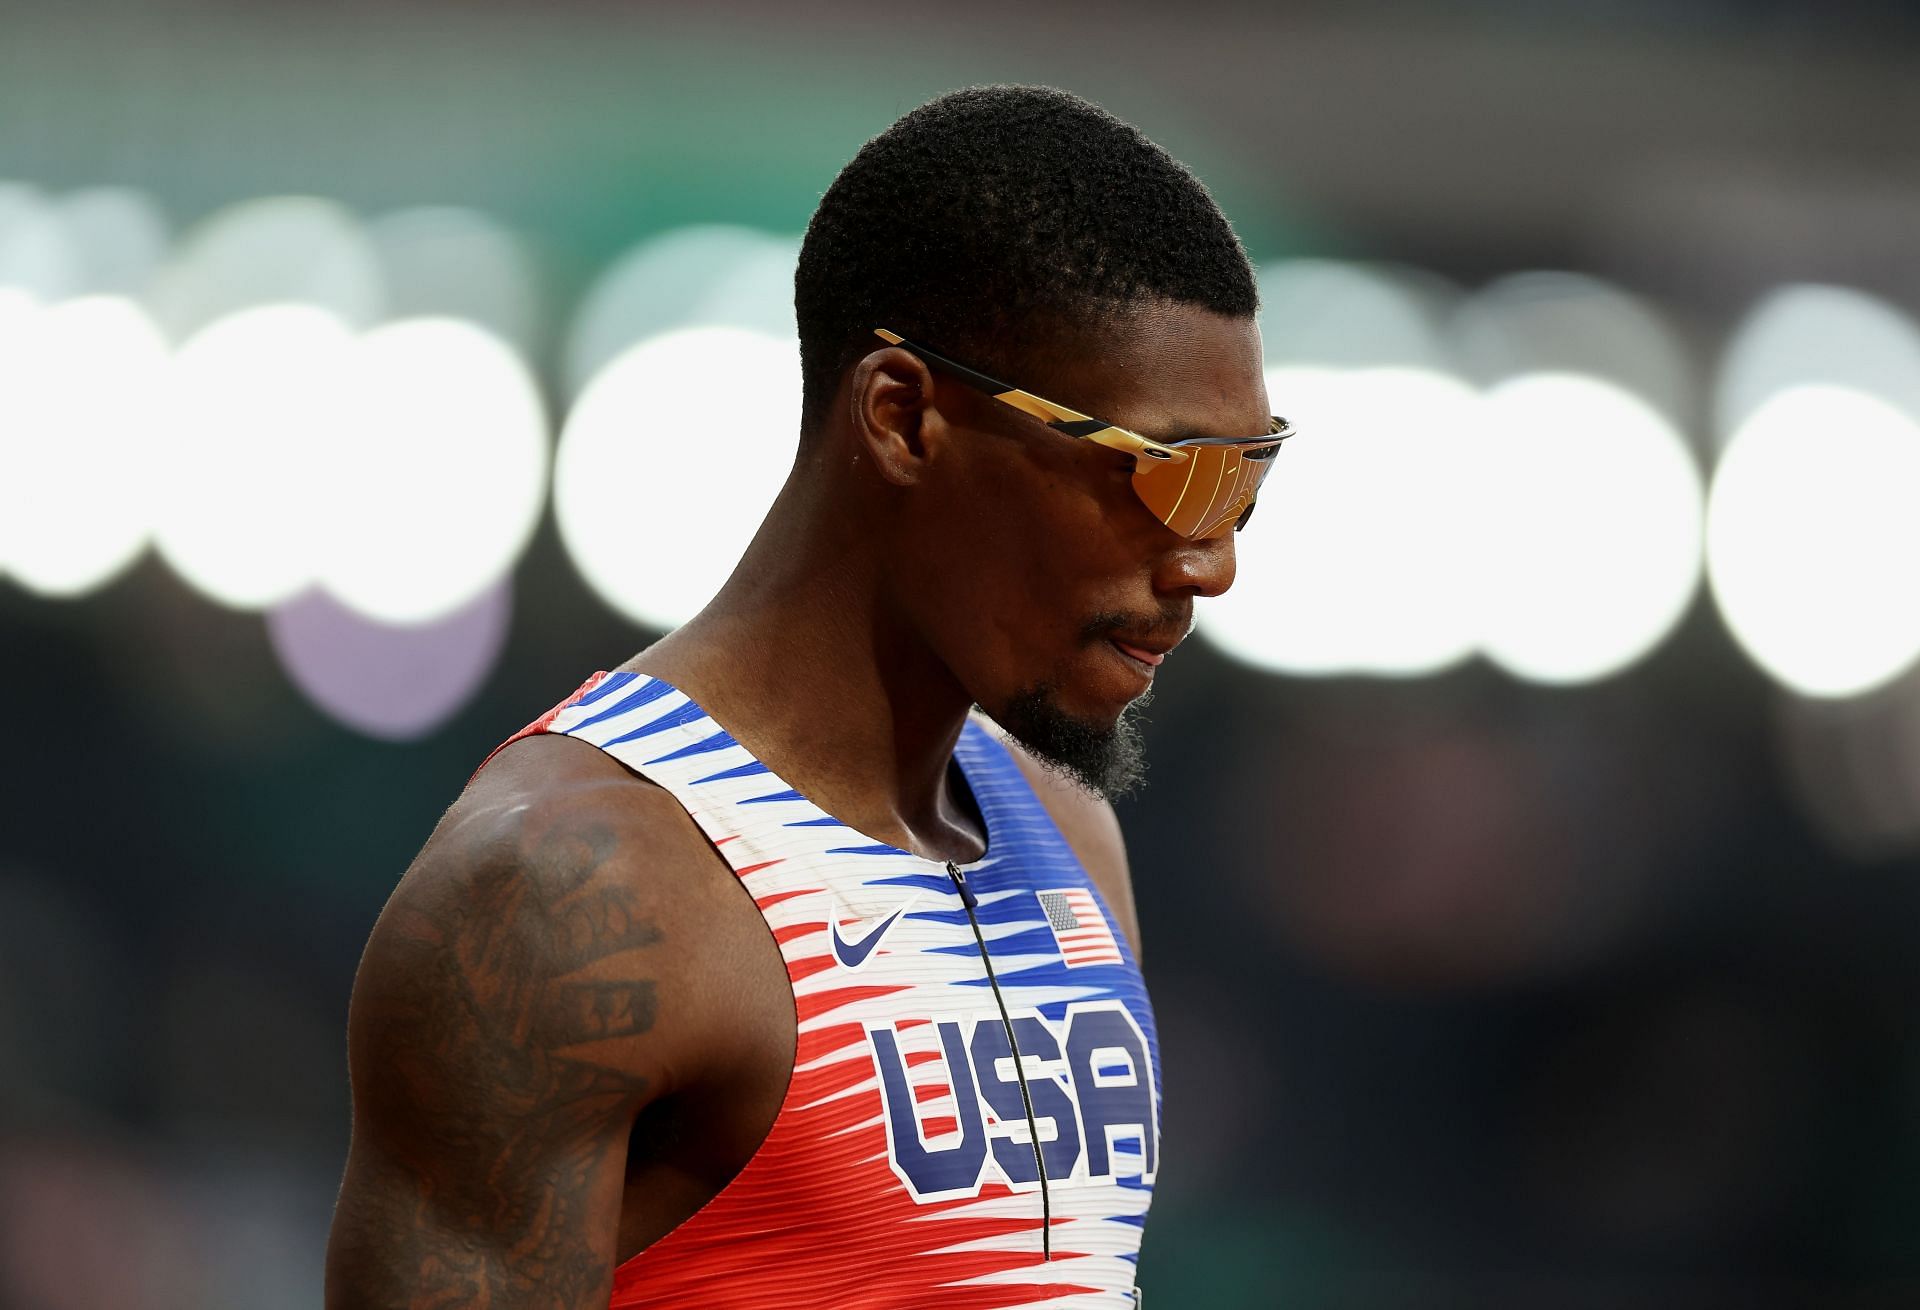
[{"x": 893, "y": 413}]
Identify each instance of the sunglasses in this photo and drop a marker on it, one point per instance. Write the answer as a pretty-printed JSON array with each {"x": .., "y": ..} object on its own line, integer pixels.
[{"x": 1201, "y": 487}]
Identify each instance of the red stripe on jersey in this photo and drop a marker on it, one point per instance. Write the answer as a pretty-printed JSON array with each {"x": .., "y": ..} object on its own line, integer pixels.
[{"x": 540, "y": 724}]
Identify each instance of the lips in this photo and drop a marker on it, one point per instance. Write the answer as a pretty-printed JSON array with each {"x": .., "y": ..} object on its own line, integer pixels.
[{"x": 1148, "y": 657}]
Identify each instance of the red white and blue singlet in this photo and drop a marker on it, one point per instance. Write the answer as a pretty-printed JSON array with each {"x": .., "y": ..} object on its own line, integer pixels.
[{"x": 900, "y": 1171}]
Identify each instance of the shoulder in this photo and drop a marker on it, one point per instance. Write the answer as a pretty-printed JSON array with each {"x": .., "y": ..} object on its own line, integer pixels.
[
  {"x": 527, "y": 993},
  {"x": 556, "y": 828},
  {"x": 545, "y": 803},
  {"x": 1087, "y": 821},
  {"x": 555, "y": 908}
]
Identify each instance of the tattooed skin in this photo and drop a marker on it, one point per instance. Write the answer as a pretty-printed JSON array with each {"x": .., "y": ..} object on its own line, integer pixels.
[{"x": 493, "y": 1052}]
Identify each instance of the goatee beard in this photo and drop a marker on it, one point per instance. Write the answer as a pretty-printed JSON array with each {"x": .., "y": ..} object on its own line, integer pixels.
[{"x": 1109, "y": 760}]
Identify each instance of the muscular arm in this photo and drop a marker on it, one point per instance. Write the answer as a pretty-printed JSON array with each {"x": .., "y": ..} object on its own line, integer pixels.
[{"x": 500, "y": 1045}]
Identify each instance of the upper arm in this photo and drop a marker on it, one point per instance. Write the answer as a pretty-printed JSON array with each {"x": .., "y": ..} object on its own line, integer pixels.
[
  {"x": 501, "y": 1041},
  {"x": 1092, "y": 830}
]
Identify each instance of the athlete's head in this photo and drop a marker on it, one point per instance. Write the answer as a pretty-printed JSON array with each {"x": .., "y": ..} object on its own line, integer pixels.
[{"x": 1028, "y": 235}]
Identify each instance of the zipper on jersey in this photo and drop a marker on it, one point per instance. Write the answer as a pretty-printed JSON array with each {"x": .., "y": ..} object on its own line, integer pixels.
[{"x": 1019, "y": 1065}]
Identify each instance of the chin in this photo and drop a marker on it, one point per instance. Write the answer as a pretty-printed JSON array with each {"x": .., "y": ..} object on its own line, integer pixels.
[{"x": 1100, "y": 751}]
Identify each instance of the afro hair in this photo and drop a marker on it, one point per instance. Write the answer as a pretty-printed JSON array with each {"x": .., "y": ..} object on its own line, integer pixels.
[{"x": 993, "y": 222}]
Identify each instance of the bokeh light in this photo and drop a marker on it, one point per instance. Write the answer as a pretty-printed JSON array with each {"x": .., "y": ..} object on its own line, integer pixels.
[
  {"x": 37, "y": 252},
  {"x": 668, "y": 462},
  {"x": 1805, "y": 334},
  {"x": 755, "y": 291},
  {"x": 1360, "y": 555},
  {"x": 1590, "y": 527},
  {"x": 120, "y": 236},
  {"x": 438, "y": 474},
  {"x": 279, "y": 249},
  {"x": 706, "y": 275},
  {"x": 77, "y": 398},
  {"x": 391, "y": 681},
  {"x": 446, "y": 261},
  {"x": 1553, "y": 523},
  {"x": 18, "y": 314},
  {"x": 1602, "y": 995},
  {"x": 1854, "y": 766},
  {"x": 1813, "y": 542},
  {"x": 1561, "y": 322},
  {"x": 1331, "y": 313},
  {"x": 258, "y": 407}
]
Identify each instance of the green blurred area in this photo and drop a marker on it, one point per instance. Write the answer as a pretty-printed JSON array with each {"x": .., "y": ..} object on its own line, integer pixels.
[{"x": 586, "y": 132}]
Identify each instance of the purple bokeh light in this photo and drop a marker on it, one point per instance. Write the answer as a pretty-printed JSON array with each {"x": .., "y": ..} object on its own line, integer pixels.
[{"x": 391, "y": 682}]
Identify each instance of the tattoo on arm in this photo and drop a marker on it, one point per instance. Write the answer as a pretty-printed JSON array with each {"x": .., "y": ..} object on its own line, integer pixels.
[{"x": 496, "y": 1030}]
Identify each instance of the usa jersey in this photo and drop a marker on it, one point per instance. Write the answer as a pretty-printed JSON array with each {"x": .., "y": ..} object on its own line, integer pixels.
[{"x": 901, "y": 1170}]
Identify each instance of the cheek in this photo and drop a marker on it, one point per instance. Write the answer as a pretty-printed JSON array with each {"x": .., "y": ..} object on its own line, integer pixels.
[
  {"x": 1020, "y": 564},
  {"x": 1063, "y": 510},
  {"x": 1048, "y": 537}
]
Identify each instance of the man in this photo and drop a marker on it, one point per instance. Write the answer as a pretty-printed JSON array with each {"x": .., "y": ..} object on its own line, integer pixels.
[{"x": 759, "y": 973}]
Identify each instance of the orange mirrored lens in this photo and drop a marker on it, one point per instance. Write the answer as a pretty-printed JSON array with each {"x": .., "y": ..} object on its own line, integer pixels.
[{"x": 1204, "y": 495}]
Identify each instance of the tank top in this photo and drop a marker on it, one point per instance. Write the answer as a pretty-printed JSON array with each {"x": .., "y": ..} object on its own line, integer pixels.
[{"x": 900, "y": 1172}]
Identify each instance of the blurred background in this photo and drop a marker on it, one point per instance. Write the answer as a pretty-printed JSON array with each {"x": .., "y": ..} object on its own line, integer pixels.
[{"x": 1530, "y": 869}]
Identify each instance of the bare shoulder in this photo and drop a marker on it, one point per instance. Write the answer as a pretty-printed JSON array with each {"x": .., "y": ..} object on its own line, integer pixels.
[
  {"x": 539, "y": 947},
  {"x": 533, "y": 984},
  {"x": 558, "y": 882},
  {"x": 1088, "y": 823}
]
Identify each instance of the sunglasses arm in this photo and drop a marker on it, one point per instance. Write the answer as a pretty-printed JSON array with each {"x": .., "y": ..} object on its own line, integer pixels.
[{"x": 1138, "y": 446}]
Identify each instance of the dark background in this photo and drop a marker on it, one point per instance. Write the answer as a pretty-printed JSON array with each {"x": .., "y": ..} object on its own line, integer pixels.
[{"x": 1473, "y": 991}]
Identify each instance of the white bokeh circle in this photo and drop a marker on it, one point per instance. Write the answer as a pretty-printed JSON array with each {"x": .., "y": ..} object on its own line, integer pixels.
[
  {"x": 78, "y": 397},
  {"x": 1357, "y": 557},
  {"x": 440, "y": 474},
  {"x": 669, "y": 461},
  {"x": 1813, "y": 542},
  {"x": 257, "y": 406},
  {"x": 1591, "y": 527}
]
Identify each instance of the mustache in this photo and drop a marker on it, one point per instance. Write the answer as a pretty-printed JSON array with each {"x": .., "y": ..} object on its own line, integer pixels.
[{"x": 1174, "y": 622}]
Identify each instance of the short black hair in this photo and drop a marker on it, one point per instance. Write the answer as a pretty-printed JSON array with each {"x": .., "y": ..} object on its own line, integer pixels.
[{"x": 992, "y": 221}]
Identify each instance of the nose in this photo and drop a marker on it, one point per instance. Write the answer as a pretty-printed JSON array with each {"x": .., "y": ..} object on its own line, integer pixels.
[{"x": 1198, "y": 568}]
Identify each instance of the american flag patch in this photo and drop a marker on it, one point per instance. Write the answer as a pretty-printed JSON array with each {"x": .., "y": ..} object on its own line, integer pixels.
[{"x": 1079, "y": 927}]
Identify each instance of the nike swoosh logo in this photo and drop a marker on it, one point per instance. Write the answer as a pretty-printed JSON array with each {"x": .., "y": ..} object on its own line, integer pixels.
[{"x": 853, "y": 954}]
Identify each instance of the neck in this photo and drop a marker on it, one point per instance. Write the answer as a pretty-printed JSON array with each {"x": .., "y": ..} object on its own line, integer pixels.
[{"x": 803, "y": 660}]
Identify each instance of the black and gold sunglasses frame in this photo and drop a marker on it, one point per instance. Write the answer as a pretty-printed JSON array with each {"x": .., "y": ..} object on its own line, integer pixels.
[{"x": 1201, "y": 487}]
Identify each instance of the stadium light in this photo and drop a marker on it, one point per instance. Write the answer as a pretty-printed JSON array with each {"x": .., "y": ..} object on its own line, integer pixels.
[
  {"x": 652, "y": 519},
  {"x": 1813, "y": 543}
]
